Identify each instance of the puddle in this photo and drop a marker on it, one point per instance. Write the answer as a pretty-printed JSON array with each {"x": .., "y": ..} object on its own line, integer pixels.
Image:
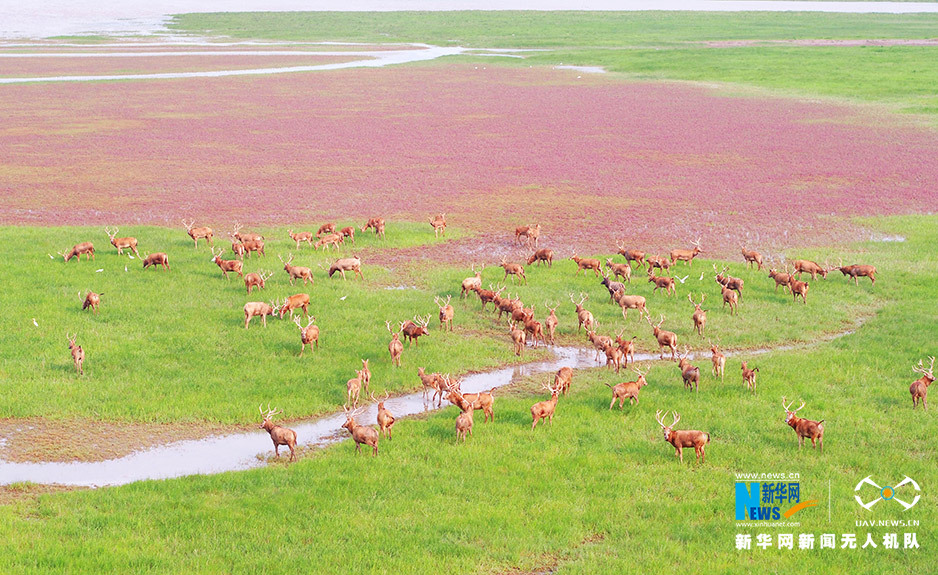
[{"x": 584, "y": 69}]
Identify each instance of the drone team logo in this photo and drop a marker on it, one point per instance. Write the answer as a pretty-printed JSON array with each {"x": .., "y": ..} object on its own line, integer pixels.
[{"x": 886, "y": 493}]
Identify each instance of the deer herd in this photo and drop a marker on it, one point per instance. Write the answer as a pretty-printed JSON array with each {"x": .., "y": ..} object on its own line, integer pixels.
[{"x": 522, "y": 325}]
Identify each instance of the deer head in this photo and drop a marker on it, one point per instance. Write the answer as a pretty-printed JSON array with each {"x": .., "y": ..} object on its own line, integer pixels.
[
  {"x": 667, "y": 429},
  {"x": 789, "y": 413}
]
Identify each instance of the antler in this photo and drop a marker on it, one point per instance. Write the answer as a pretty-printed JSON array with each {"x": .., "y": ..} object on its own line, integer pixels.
[
  {"x": 189, "y": 225},
  {"x": 921, "y": 367},
  {"x": 696, "y": 243},
  {"x": 270, "y": 412},
  {"x": 677, "y": 417},
  {"x": 265, "y": 276},
  {"x": 659, "y": 416},
  {"x": 388, "y": 324},
  {"x": 640, "y": 372},
  {"x": 620, "y": 245}
]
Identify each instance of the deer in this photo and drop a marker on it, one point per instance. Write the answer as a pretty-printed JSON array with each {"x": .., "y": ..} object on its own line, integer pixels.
[
  {"x": 781, "y": 279},
  {"x": 463, "y": 420},
  {"x": 91, "y": 300},
  {"x": 329, "y": 240},
  {"x": 749, "y": 377},
  {"x": 627, "y": 390},
  {"x": 533, "y": 327},
  {"x": 732, "y": 298},
  {"x": 308, "y": 334},
  {"x": 528, "y": 234},
  {"x": 413, "y": 329},
  {"x": 78, "y": 354},
  {"x": 619, "y": 270},
  {"x": 614, "y": 355},
  {"x": 348, "y": 232},
  {"x": 664, "y": 264},
  {"x": 798, "y": 288},
  {"x": 258, "y": 280},
  {"x": 919, "y": 387},
  {"x": 296, "y": 301},
  {"x": 517, "y": 311},
  {"x": 157, "y": 259},
  {"x": 486, "y": 295},
  {"x": 550, "y": 324},
  {"x": 598, "y": 341},
  {"x": 251, "y": 246},
  {"x": 472, "y": 283},
  {"x": 563, "y": 378},
  {"x": 377, "y": 224},
  {"x": 752, "y": 257},
  {"x": 446, "y": 312},
  {"x": 431, "y": 382},
  {"x": 729, "y": 282},
  {"x": 718, "y": 360},
  {"x": 545, "y": 409},
  {"x": 665, "y": 283},
  {"x": 199, "y": 233},
  {"x": 366, "y": 374},
  {"x": 686, "y": 255},
  {"x": 627, "y": 346},
  {"x": 122, "y": 243},
  {"x": 258, "y": 308},
  {"x": 584, "y": 317},
  {"x": 352, "y": 264},
  {"x": 513, "y": 270},
  {"x": 483, "y": 400},
  {"x": 227, "y": 265},
  {"x": 586, "y": 264},
  {"x": 631, "y": 255},
  {"x": 354, "y": 387},
  {"x": 385, "y": 419},
  {"x": 360, "y": 433},
  {"x": 237, "y": 247},
  {"x": 279, "y": 435},
  {"x": 689, "y": 373},
  {"x": 858, "y": 271},
  {"x": 327, "y": 228},
  {"x": 700, "y": 314},
  {"x": 612, "y": 287},
  {"x": 627, "y": 302},
  {"x": 296, "y": 272},
  {"x": 809, "y": 267},
  {"x": 507, "y": 305},
  {"x": 395, "y": 347},
  {"x": 245, "y": 236},
  {"x": 438, "y": 222},
  {"x": 301, "y": 237},
  {"x": 683, "y": 438},
  {"x": 805, "y": 428},
  {"x": 545, "y": 255},
  {"x": 665, "y": 338},
  {"x": 83, "y": 249},
  {"x": 518, "y": 337}
]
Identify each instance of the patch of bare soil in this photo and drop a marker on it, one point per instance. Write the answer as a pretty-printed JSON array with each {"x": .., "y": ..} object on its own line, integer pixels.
[{"x": 20, "y": 491}]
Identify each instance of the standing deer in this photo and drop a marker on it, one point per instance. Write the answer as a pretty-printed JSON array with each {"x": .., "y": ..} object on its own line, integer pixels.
[
  {"x": 550, "y": 324},
  {"x": 464, "y": 420},
  {"x": 301, "y": 237},
  {"x": 78, "y": 354},
  {"x": 296, "y": 272},
  {"x": 83, "y": 249},
  {"x": 729, "y": 282},
  {"x": 91, "y": 300},
  {"x": 122, "y": 243},
  {"x": 329, "y": 240},
  {"x": 666, "y": 283},
  {"x": 620, "y": 270},
  {"x": 353, "y": 388},
  {"x": 528, "y": 234},
  {"x": 366, "y": 374},
  {"x": 858, "y": 271},
  {"x": 486, "y": 295},
  {"x": 809, "y": 267},
  {"x": 296, "y": 301},
  {"x": 584, "y": 317},
  {"x": 348, "y": 232},
  {"x": 919, "y": 387},
  {"x": 732, "y": 298},
  {"x": 258, "y": 308},
  {"x": 628, "y": 302},
  {"x": 545, "y": 409},
  {"x": 256, "y": 280},
  {"x": 664, "y": 264},
  {"x": 251, "y": 246},
  {"x": 563, "y": 378},
  {"x": 798, "y": 288},
  {"x": 360, "y": 433},
  {"x": 198, "y": 233},
  {"x": 749, "y": 377},
  {"x": 752, "y": 257},
  {"x": 518, "y": 337},
  {"x": 446, "y": 312},
  {"x": 533, "y": 327},
  {"x": 385, "y": 419},
  {"x": 237, "y": 247},
  {"x": 513, "y": 270},
  {"x": 395, "y": 347},
  {"x": 472, "y": 283},
  {"x": 689, "y": 373},
  {"x": 813, "y": 430},
  {"x": 631, "y": 255},
  {"x": 686, "y": 255},
  {"x": 157, "y": 259},
  {"x": 683, "y": 438},
  {"x": 352, "y": 264},
  {"x": 432, "y": 382},
  {"x": 327, "y": 228},
  {"x": 377, "y": 224},
  {"x": 227, "y": 265},
  {"x": 718, "y": 360},
  {"x": 414, "y": 329},
  {"x": 781, "y": 279},
  {"x": 613, "y": 287},
  {"x": 483, "y": 400},
  {"x": 700, "y": 314},
  {"x": 245, "y": 236},
  {"x": 542, "y": 255},
  {"x": 627, "y": 346},
  {"x": 308, "y": 335},
  {"x": 438, "y": 222},
  {"x": 627, "y": 390},
  {"x": 586, "y": 264},
  {"x": 665, "y": 338},
  {"x": 279, "y": 435}
]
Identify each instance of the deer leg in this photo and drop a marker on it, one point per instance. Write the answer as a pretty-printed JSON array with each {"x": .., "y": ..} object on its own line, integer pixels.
[
  {"x": 680, "y": 454},
  {"x": 277, "y": 450}
]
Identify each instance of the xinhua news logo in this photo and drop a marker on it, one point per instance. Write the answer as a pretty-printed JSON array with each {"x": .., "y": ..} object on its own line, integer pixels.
[
  {"x": 886, "y": 493},
  {"x": 769, "y": 501}
]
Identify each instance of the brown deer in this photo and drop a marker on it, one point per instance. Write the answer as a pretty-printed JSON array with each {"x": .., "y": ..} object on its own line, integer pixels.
[
  {"x": 664, "y": 264},
  {"x": 353, "y": 388},
  {"x": 620, "y": 270},
  {"x": 518, "y": 337},
  {"x": 157, "y": 259},
  {"x": 666, "y": 283},
  {"x": 749, "y": 377},
  {"x": 627, "y": 390},
  {"x": 432, "y": 382},
  {"x": 463, "y": 420},
  {"x": 256, "y": 280},
  {"x": 628, "y": 349},
  {"x": 377, "y": 224},
  {"x": 613, "y": 287},
  {"x": 809, "y": 267},
  {"x": 366, "y": 374},
  {"x": 329, "y": 240},
  {"x": 483, "y": 400},
  {"x": 752, "y": 257},
  {"x": 486, "y": 295},
  {"x": 584, "y": 317},
  {"x": 308, "y": 335},
  {"x": 327, "y": 228},
  {"x": 550, "y": 324},
  {"x": 348, "y": 232},
  {"x": 533, "y": 327},
  {"x": 631, "y": 255},
  {"x": 700, "y": 314},
  {"x": 563, "y": 378},
  {"x": 414, "y": 329},
  {"x": 628, "y": 302},
  {"x": 919, "y": 387},
  {"x": 395, "y": 347},
  {"x": 528, "y": 234},
  {"x": 296, "y": 301},
  {"x": 513, "y": 270},
  {"x": 813, "y": 430},
  {"x": 258, "y": 308},
  {"x": 586, "y": 264},
  {"x": 279, "y": 435},
  {"x": 446, "y": 312},
  {"x": 781, "y": 279},
  {"x": 226, "y": 266},
  {"x": 78, "y": 354},
  {"x": 472, "y": 283},
  {"x": 199, "y": 233},
  {"x": 614, "y": 356},
  {"x": 545, "y": 409},
  {"x": 438, "y": 222},
  {"x": 360, "y": 433},
  {"x": 245, "y": 236},
  {"x": 352, "y": 264},
  {"x": 683, "y": 438},
  {"x": 507, "y": 305},
  {"x": 598, "y": 341},
  {"x": 686, "y": 255},
  {"x": 732, "y": 298},
  {"x": 91, "y": 300},
  {"x": 251, "y": 246},
  {"x": 301, "y": 237},
  {"x": 858, "y": 271},
  {"x": 237, "y": 247},
  {"x": 798, "y": 288},
  {"x": 729, "y": 282},
  {"x": 718, "y": 360},
  {"x": 296, "y": 272},
  {"x": 122, "y": 243},
  {"x": 83, "y": 249},
  {"x": 385, "y": 419},
  {"x": 542, "y": 255},
  {"x": 665, "y": 338},
  {"x": 689, "y": 373}
]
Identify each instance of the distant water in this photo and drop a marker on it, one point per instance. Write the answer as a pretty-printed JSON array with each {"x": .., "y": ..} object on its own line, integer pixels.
[{"x": 45, "y": 18}]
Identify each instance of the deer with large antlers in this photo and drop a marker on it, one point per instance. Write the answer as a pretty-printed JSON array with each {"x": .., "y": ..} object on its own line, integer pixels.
[
  {"x": 718, "y": 360},
  {"x": 749, "y": 376},
  {"x": 446, "y": 312},
  {"x": 352, "y": 264},
  {"x": 395, "y": 347},
  {"x": 686, "y": 255},
  {"x": 385, "y": 419},
  {"x": 226, "y": 266},
  {"x": 513, "y": 270},
  {"x": 751, "y": 257},
  {"x": 507, "y": 305},
  {"x": 301, "y": 237},
  {"x": 472, "y": 283},
  {"x": 354, "y": 387},
  {"x": 623, "y": 271},
  {"x": 279, "y": 435},
  {"x": 628, "y": 389},
  {"x": 483, "y": 400},
  {"x": 805, "y": 428},
  {"x": 631, "y": 255},
  {"x": 700, "y": 314},
  {"x": 858, "y": 271},
  {"x": 258, "y": 308},
  {"x": 157, "y": 259},
  {"x": 798, "y": 288},
  {"x": 256, "y": 280},
  {"x": 122, "y": 243},
  {"x": 198, "y": 233},
  {"x": 542, "y": 255},
  {"x": 78, "y": 354},
  {"x": 598, "y": 341},
  {"x": 296, "y": 272},
  {"x": 665, "y": 283},
  {"x": 309, "y": 334},
  {"x": 665, "y": 338},
  {"x": 727, "y": 281},
  {"x": 583, "y": 264},
  {"x": 584, "y": 317},
  {"x": 689, "y": 373},
  {"x": 296, "y": 301},
  {"x": 360, "y": 433},
  {"x": 919, "y": 387},
  {"x": 377, "y": 224},
  {"x": 551, "y": 323},
  {"x": 518, "y": 337},
  {"x": 809, "y": 267},
  {"x": 327, "y": 228},
  {"x": 528, "y": 234},
  {"x": 413, "y": 329},
  {"x": 91, "y": 300},
  {"x": 83, "y": 249},
  {"x": 438, "y": 223},
  {"x": 683, "y": 438},
  {"x": 545, "y": 409}
]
